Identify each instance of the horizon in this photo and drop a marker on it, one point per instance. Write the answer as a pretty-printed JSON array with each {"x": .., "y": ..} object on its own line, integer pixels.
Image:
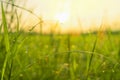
[
  {"x": 72, "y": 15},
  {"x": 75, "y": 13}
]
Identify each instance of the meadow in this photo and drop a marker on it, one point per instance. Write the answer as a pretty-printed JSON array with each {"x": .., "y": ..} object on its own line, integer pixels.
[
  {"x": 62, "y": 57},
  {"x": 36, "y": 56}
]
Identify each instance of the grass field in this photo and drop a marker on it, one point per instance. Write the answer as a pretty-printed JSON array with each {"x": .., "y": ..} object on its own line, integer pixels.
[
  {"x": 63, "y": 57},
  {"x": 36, "y": 56}
]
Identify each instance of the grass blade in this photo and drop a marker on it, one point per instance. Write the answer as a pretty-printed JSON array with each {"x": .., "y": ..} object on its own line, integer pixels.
[
  {"x": 6, "y": 39},
  {"x": 17, "y": 26},
  {"x": 0, "y": 28},
  {"x": 91, "y": 57}
]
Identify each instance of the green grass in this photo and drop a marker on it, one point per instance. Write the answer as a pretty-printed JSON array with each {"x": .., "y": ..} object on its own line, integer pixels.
[
  {"x": 34, "y": 56},
  {"x": 40, "y": 60},
  {"x": 6, "y": 41}
]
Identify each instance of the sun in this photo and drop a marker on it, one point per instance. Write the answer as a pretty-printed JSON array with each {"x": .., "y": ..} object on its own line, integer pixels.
[{"x": 62, "y": 17}]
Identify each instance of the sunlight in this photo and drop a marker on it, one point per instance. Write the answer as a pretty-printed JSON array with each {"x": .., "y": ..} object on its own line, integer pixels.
[
  {"x": 89, "y": 12},
  {"x": 62, "y": 17}
]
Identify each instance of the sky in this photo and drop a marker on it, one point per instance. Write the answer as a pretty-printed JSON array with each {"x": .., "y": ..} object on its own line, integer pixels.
[{"x": 71, "y": 13}]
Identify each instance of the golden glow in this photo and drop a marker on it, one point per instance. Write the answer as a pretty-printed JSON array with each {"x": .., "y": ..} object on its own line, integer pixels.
[{"x": 69, "y": 11}]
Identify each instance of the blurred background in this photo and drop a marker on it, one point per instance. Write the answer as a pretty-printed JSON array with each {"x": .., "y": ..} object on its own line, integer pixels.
[{"x": 74, "y": 16}]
